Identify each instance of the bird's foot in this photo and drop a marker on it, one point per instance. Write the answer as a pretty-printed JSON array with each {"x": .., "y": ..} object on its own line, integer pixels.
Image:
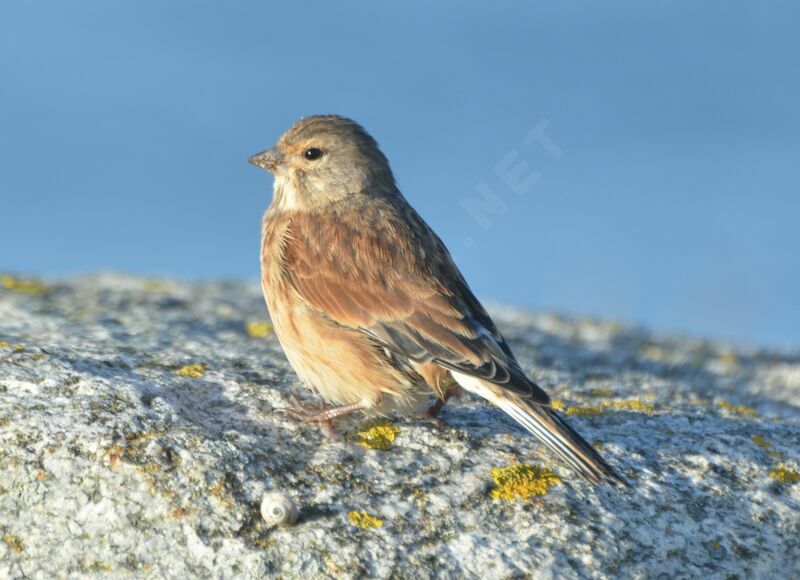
[
  {"x": 435, "y": 409},
  {"x": 432, "y": 415},
  {"x": 323, "y": 417}
]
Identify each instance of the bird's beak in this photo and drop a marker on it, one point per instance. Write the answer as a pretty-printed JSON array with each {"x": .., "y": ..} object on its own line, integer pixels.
[{"x": 269, "y": 160}]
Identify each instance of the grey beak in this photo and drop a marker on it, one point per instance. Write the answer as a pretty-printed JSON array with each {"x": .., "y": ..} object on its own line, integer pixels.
[{"x": 268, "y": 160}]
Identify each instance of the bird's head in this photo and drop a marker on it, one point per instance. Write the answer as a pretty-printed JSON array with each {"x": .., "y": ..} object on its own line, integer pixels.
[{"x": 323, "y": 159}]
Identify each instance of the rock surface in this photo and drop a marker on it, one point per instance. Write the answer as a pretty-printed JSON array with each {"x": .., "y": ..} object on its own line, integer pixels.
[{"x": 140, "y": 427}]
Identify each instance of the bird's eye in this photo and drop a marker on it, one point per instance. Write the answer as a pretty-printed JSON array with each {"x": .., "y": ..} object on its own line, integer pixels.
[{"x": 313, "y": 154}]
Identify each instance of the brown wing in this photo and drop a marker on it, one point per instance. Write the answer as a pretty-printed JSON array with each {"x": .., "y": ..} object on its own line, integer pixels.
[{"x": 377, "y": 267}]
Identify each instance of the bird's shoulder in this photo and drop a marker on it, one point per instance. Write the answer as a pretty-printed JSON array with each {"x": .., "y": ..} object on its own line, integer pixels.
[
  {"x": 373, "y": 261},
  {"x": 375, "y": 237}
]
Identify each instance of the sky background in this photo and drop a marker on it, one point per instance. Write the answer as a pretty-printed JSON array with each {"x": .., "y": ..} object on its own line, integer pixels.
[{"x": 675, "y": 201}]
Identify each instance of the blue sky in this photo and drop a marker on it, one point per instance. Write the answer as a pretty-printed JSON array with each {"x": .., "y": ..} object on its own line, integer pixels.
[{"x": 674, "y": 203}]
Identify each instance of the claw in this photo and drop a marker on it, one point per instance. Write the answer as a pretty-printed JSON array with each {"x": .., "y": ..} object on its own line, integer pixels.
[
  {"x": 295, "y": 401},
  {"x": 330, "y": 432}
]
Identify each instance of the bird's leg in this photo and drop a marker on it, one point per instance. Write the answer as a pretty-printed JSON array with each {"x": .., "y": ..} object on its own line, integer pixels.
[
  {"x": 325, "y": 414},
  {"x": 323, "y": 417},
  {"x": 433, "y": 410},
  {"x": 432, "y": 414},
  {"x": 450, "y": 391}
]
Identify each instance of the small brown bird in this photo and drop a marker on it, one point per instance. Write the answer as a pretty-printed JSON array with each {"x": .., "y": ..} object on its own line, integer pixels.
[{"x": 367, "y": 303}]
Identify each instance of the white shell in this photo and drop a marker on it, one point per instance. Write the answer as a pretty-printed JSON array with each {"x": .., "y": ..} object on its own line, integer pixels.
[{"x": 278, "y": 509}]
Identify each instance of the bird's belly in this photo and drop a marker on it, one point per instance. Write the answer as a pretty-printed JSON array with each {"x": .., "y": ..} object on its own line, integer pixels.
[{"x": 339, "y": 363}]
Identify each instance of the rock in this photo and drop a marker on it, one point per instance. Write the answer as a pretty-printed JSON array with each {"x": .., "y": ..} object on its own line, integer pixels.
[{"x": 139, "y": 431}]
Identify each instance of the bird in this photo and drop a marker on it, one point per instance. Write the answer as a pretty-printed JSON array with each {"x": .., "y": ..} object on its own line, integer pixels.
[{"x": 367, "y": 303}]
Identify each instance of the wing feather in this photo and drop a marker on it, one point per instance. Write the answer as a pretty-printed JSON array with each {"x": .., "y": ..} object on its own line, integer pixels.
[{"x": 380, "y": 269}]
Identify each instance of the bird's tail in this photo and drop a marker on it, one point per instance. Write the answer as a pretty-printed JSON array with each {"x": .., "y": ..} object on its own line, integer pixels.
[{"x": 550, "y": 428}]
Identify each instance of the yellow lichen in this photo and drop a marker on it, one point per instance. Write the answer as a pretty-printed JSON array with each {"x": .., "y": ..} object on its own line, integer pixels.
[
  {"x": 15, "y": 543},
  {"x": 21, "y": 285},
  {"x": 377, "y": 435},
  {"x": 654, "y": 353},
  {"x": 738, "y": 409},
  {"x": 364, "y": 520},
  {"x": 785, "y": 475},
  {"x": 583, "y": 411},
  {"x": 760, "y": 441},
  {"x": 192, "y": 371},
  {"x": 258, "y": 329},
  {"x": 100, "y": 566},
  {"x": 630, "y": 405},
  {"x": 522, "y": 481},
  {"x": 153, "y": 285},
  {"x": 600, "y": 393},
  {"x": 16, "y": 347},
  {"x": 728, "y": 358},
  {"x": 557, "y": 404}
]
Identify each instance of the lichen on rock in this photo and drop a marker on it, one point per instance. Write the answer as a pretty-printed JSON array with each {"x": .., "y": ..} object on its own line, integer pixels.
[
  {"x": 258, "y": 329},
  {"x": 141, "y": 427},
  {"x": 785, "y": 474},
  {"x": 584, "y": 411},
  {"x": 377, "y": 435},
  {"x": 23, "y": 285},
  {"x": 364, "y": 520},
  {"x": 522, "y": 481},
  {"x": 737, "y": 409},
  {"x": 192, "y": 371}
]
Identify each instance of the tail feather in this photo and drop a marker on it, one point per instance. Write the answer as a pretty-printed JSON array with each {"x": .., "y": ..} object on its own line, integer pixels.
[
  {"x": 546, "y": 425},
  {"x": 550, "y": 428}
]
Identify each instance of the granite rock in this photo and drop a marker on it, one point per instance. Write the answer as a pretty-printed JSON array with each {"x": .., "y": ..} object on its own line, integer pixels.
[{"x": 141, "y": 425}]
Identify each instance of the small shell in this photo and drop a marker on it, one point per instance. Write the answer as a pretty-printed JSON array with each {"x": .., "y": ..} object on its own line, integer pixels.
[{"x": 278, "y": 509}]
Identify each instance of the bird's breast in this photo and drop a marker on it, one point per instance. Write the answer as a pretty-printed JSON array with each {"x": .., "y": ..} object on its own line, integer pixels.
[
  {"x": 341, "y": 363},
  {"x": 274, "y": 236}
]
